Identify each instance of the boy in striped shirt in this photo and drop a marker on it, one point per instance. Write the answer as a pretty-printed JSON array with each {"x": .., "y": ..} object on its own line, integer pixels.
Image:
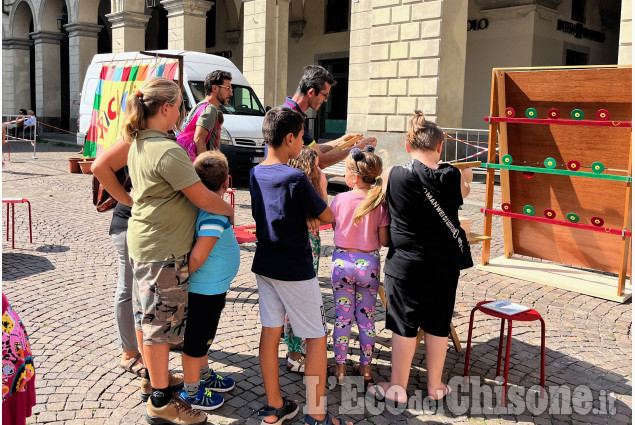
[{"x": 213, "y": 264}]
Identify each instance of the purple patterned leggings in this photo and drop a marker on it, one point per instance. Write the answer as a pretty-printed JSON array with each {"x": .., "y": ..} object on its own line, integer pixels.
[{"x": 355, "y": 279}]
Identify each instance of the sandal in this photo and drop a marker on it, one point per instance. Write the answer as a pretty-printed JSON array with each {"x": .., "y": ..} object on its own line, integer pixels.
[
  {"x": 133, "y": 366},
  {"x": 340, "y": 374},
  {"x": 297, "y": 366},
  {"x": 326, "y": 421},
  {"x": 368, "y": 377},
  {"x": 288, "y": 410}
]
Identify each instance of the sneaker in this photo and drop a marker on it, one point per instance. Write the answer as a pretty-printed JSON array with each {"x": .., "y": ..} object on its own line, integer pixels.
[
  {"x": 204, "y": 399},
  {"x": 176, "y": 412},
  {"x": 175, "y": 383},
  {"x": 217, "y": 383}
]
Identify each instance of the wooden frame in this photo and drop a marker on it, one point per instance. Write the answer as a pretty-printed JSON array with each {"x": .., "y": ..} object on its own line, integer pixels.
[{"x": 531, "y": 141}]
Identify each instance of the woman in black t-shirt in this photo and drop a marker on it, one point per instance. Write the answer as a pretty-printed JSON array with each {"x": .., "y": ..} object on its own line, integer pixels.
[
  {"x": 422, "y": 265},
  {"x": 104, "y": 168}
]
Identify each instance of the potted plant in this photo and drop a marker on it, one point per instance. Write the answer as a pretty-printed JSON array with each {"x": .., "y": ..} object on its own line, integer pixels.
[
  {"x": 73, "y": 165},
  {"x": 85, "y": 165}
]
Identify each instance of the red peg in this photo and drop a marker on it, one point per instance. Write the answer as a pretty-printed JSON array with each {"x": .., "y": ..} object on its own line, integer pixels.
[
  {"x": 597, "y": 221},
  {"x": 573, "y": 165},
  {"x": 602, "y": 115}
]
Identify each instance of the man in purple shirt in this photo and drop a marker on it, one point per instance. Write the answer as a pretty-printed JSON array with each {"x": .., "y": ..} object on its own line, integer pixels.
[{"x": 313, "y": 90}]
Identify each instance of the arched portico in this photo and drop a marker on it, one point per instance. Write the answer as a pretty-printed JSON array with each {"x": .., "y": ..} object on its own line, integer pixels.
[
  {"x": 16, "y": 62},
  {"x": 47, "y": 38}
]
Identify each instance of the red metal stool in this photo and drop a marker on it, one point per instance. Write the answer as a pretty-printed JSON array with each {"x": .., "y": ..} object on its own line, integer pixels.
[
  {"x": 12, "y": 202},
  {"x": 526, "y": 316}
]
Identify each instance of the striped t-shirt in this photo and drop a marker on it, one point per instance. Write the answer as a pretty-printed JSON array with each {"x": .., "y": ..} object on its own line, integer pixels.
[{"x": 216, "y": 274}]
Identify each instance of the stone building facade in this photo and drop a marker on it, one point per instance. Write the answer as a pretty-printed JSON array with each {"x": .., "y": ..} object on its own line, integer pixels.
[{"x": 390, "y": 56}]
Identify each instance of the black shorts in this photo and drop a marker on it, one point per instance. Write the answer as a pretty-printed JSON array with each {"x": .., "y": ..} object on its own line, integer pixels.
[
  {"x": 203, "y": 315},
  {"x": 426, "y": 303}
]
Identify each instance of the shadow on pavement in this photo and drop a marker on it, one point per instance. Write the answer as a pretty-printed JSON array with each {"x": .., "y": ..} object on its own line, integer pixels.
[
  {"x": 588, "y": 398},
  {"x": 16, "y": 265},
  {"x": 52, "y": 248}
]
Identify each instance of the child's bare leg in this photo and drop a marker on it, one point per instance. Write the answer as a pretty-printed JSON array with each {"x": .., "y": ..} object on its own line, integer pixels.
[
  {"x": 156, "y": 358},
  {"x": 192, "y": 367},
  {"x": 268, "y": 353},
  {"x": 436, "y": 349},
  {"x": 315, "y": 373},
  {"x": 403, "y": 350}
]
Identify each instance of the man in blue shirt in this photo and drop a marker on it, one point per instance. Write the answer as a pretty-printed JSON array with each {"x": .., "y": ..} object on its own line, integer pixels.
[{"x": 313, "y": 90}]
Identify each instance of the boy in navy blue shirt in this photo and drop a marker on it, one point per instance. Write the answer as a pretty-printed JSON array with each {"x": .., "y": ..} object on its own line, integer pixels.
[{"x": 282, "y": 199}]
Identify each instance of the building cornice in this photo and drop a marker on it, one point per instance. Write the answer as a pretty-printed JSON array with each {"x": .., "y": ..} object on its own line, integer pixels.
[
  {"x": 127, "y": 19},
  {"x": 501, "y": 4},
  {"x": 83, "y": 29},
  {"x": 46, "y": 37},
  {"x": 194, "y": 8},
  {"x": 17, "y": 43}
]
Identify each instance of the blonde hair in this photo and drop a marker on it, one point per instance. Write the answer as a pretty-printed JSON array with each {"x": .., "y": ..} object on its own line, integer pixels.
[
  {"x": 145, "y": 102},
  {"x": 423, "y": 135},
  {"x": 368, "y": 167},
  {"x": 212, "y": 168},
  {"x": 306, "y": 162}
]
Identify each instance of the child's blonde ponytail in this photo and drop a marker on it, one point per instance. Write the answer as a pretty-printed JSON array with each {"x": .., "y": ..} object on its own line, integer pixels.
[
  {"x": 367, "y": 165},
  {"x": 373, "y": 199}
]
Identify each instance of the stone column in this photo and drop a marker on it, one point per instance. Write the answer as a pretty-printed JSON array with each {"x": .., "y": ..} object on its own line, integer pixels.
[
  {"x": 405, "y": 55},
  {"x": 128, "y": 31},
  {"x": 47, "y": 76},
  {"x": 187, "y": 23},
  {"x": 358, "y": 120},
  {"x": 265, "y": 48},
  {"x": 452, "y": 53},
  {"x": 82, "y": 46},
  {"x": 625, "y": 55},
  {"x": 16, "y": 75}
]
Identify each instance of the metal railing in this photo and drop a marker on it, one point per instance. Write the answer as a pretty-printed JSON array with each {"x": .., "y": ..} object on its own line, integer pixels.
[
  {"x": 465, "y": 145},
  {"x": 461, "y": 145}
]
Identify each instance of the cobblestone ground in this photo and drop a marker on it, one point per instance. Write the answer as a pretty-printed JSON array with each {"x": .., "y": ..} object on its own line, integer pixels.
[{"x": 63, "y": 286}]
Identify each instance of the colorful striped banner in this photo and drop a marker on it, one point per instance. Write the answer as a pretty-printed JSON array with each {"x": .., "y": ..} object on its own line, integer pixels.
[{"x": 115, "y": 82}]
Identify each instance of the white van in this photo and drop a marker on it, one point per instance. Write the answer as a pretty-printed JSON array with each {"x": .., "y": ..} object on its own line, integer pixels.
[{"x": 241, "y": 135}]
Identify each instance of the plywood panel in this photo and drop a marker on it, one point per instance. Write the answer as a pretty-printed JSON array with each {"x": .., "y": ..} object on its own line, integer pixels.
[{"x": 531, "y": 144}]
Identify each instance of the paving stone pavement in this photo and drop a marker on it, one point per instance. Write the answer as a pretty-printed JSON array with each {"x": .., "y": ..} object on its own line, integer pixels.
[{"x": 63, "y": 286}]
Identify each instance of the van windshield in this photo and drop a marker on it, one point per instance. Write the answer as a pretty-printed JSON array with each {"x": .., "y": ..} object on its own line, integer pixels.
[{"x": 243, "y": 102}]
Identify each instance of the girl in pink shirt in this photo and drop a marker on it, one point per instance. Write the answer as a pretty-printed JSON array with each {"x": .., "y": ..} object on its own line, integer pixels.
[{"x": 360, "y": 228}]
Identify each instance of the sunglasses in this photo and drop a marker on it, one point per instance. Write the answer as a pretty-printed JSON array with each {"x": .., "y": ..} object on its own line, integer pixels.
[{"x": 225, "y": 87}]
